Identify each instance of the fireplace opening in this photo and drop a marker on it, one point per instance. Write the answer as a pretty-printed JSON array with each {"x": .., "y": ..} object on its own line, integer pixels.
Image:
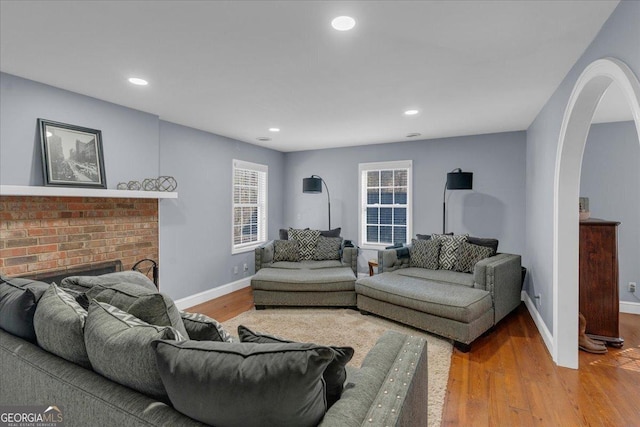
[{"x": 82, "y": 270}]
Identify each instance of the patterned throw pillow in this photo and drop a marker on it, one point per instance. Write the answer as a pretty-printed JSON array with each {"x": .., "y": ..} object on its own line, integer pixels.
[
  {"x": 204, "y": 328},
  {"x": 286, "y": 250},
  {"x": 449, "y": 249},
  {"x": 328, "y": 248},
  {"x": 307, "y": 240},
  {"x": 469, "y": 255},
  {"x": 425, "y": 253}
]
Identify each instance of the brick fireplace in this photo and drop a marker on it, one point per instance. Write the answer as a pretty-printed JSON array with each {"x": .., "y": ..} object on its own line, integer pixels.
[{"x": 40, "y": 234}]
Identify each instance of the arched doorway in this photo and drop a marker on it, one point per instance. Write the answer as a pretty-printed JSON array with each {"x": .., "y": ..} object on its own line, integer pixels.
[{"x": 587, "y": 92}]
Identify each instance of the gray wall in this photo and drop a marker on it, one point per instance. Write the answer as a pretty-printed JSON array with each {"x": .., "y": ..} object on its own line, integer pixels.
[
  {"x": 129, "y": 137},
  {"x": 611, "y": 179},
  {"x": 618, "y": 38},
  {"x": 494, "y": 208},
  {"x": 195, "y": 229}
]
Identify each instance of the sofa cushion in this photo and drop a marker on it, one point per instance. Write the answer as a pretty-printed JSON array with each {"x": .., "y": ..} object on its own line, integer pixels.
[
  {"x": 150, "y": 306},
  {"x": 303, "y": 280},
  {"x": 469, "y": 255},
  {"x": 334, "y": 376},
  {"x": 286, "y": 250},
  {"x": 119, "y": 347},
  {"x": 425, "y": 253},
  {"x": 306, "y": 265},
  {"x": 443, "y": 276},
  {"x": 449, "y": 249},
  {"x": 327, "y": 248},
  {"x": 307, "y": 240},
  {"x": 244, "y": 384},
  {"x": 488, "y": 243},
  {"x": 84, "y": 283},
  {"x": 203, "y": 328},
  {"x": 59, "y": 324},
  {"x": 18, "y": 301}
]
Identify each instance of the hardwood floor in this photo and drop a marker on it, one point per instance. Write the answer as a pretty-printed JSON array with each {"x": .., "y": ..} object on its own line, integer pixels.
[{"x": 509, "y": 379}]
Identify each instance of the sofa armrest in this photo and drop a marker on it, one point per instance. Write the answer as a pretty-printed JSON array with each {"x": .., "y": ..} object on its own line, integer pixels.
[
  {"x": 264, "y": 255},
  {"x": 388, "y": 260},
  {"x": 350, "y": 258},
  {"x": 503, "y": 279}
]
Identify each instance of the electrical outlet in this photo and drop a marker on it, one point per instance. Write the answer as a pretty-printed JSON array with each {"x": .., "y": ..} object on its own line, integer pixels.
[
  {"x": 632, "y": 287},
  {"x": 245, "y": 267},
  {"x": 235, "y": 269}
]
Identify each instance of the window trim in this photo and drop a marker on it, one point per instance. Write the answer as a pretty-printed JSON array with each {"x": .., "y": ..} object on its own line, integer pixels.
[
  {"x": 362, "y": 196},
  {"x": 263, "y": 231}
]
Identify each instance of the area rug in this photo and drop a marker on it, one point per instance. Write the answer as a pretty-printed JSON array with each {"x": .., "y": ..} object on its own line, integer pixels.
[{"x": 344, "y": 327}]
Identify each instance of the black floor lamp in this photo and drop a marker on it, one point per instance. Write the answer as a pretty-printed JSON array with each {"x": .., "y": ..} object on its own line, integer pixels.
[
  {"x": 314, "y": 185},
  {"x": 456, "y": 180}
]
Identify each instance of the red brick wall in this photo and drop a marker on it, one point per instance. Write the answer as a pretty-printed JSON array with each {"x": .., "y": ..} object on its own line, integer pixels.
[{"x": 40, "y": 234}]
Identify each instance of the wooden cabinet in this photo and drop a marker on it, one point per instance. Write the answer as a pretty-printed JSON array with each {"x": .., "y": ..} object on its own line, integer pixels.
[{"x": 599, "y": 300}]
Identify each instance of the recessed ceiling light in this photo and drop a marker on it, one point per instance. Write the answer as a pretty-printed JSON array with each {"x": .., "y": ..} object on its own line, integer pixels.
[
  {"x": 413, "y": 134},
  {"x": 343, "y": 23},
  {"x": 274, "y": 129},
  {"x": 411, "y": 112},
  {"x": 263, "y": 138},
  {"x": 138, "y": 81}
]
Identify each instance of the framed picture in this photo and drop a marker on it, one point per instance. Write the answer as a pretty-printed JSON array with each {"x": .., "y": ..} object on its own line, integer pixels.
[{"x": 71, "y": 155}]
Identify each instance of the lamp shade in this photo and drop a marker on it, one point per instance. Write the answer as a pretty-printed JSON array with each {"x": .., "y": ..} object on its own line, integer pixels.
[
  {"x": 459, "y": 180},
  {"x": 312, "y": 185}
]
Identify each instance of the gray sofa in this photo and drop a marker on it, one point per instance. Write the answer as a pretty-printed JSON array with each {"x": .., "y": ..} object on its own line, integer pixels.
[
  {"x": 32, "y": 376},
  {"x": 459, "y": 306},
  {"x": 304, "y": 283}
]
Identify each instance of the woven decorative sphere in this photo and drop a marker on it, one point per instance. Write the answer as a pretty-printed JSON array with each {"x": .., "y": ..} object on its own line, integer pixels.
[
  {"x": 166, "y": 183},
  {"x": 122, "y": 186},
  {"x": 149, "y": 184},
  {"x": 133, "y": 185}
]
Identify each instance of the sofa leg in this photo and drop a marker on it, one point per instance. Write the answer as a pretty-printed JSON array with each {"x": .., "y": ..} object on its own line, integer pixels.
[
  {"x": 260, "y": 307},
  {"x": 465, "y": 348},
  {"x": 364, "y": 312}
]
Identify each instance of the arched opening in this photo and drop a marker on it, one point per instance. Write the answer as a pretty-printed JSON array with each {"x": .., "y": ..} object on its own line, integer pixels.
[{"x": 587, "y": 92}]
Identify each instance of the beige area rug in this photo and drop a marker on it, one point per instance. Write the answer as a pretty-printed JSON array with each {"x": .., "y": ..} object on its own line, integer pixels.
[{"x": 345, "y": 327}]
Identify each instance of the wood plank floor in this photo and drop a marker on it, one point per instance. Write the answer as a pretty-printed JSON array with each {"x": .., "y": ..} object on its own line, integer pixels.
[{"x": 509, "y": 379}]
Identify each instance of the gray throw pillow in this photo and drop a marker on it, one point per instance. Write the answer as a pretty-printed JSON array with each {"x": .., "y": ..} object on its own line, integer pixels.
[
  {"x": 425, "y": 253},
  {"x": 307, "y": 240},
  {"x": 335, "y": 232},
  {"x": 334, "y": 376},
  {"x": 152, "y": 307},
  {"x": 449, "y": 249},
  {"x": 244, "y": 384},
  {"x": 488, "y": 243},
  {"x": 18, "y": 301},
  {"x": 84, "y": 283},
  {"x": 204, "y": 328},
  {"x": 469, "y": 255},
  {"x": 327, "y": 248},
  {"x": 286, "y": 250},
  {"x": 119, "y": 348},
  {"x": 59, "y": 324}
]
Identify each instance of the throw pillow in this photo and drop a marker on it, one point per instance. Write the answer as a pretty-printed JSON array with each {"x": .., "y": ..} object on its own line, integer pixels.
[
  {"x": 244, "y": 384},
  {"x": 489, "y": 243},
  {"x": 335, "y": 374},
  {"x": 448, "y": 249},
  {"x": 84, "y": 283},
  {"x": 150, "y": 306},
  {"x": 425, "y": 253},
  {"x": 469, "y": 255},
  {"x": 335, "y": 232},
  {"x": 327, "y": 248},
  {"x": 307, "y": 240},
  {"x": 119, "y": 348},
  {"x": 286, "y": 250},
  {"x": 283, "y": 234},
  {"x": 59, "y": 324},
  {"x": 18, "y": 301},
  {"x": 204, "y": 328}
]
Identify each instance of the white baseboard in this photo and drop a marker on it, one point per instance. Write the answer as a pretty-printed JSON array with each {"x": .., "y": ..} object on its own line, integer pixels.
[
  {"x": 629, "y": 307},
  {"x": 547, "y": 337},
  {"x": 205, "y": 296}
]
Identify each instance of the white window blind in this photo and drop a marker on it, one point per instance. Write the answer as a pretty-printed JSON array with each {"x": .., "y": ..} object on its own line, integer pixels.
[{"x": 249, "y": 228}]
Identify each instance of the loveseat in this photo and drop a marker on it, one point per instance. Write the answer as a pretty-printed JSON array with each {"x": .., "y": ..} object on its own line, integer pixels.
[
  {"x": 462, "y": 299},
  {"x": 314, "y": 268},
  {"x": 33, "y": 376}
]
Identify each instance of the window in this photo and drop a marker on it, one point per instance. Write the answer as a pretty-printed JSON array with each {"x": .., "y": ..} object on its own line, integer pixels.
[
  {"x": 385, "y": 203},
  {"x": 249, "y": 205}
]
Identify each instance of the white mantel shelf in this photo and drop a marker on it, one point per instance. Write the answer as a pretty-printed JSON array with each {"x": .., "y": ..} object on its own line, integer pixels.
[{"x": 28, "y": 190}]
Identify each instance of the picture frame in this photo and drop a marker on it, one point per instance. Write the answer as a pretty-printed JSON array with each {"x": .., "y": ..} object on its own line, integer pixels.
[{"x": 72, "y": 155}]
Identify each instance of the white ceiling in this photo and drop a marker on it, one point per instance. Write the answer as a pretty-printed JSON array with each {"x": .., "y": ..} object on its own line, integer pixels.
[{"x": 236, "y": 68}]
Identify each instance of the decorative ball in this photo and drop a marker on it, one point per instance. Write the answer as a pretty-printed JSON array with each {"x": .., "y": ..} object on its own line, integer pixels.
[
  {"x": 133, "y": 185},
  {"x": 149, "y": 184},
  {"x": 166, "y": 183},
  {"x": 122, "y": 186}
]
